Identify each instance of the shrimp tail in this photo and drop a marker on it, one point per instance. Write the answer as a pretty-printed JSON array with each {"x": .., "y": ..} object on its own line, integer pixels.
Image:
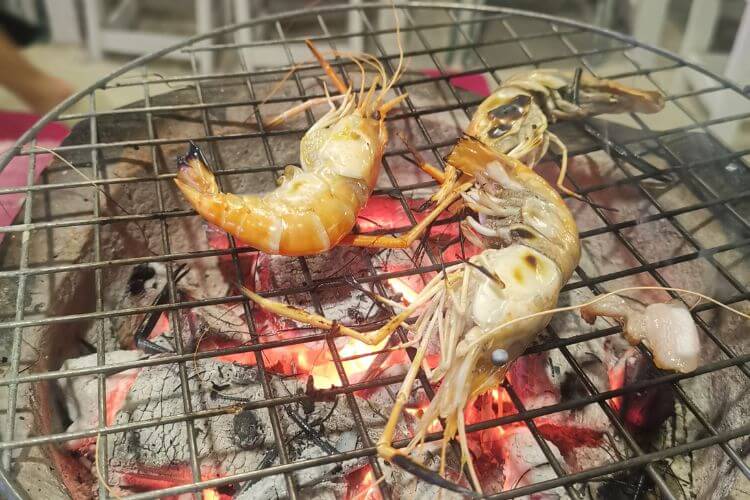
[{"x": 194, "y": 172}]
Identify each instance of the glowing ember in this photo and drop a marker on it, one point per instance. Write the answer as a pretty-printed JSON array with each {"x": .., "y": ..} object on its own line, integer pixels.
[
  {"x": 360, "y": 485},
  {"x": 349, "y": 305},
  {"x": 417, "y": 414},
  {"x": 211, "y": 494},
  {"x": 325, "y": 374}
]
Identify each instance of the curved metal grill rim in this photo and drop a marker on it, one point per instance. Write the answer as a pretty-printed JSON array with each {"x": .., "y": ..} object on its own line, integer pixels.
[{"x": 641, "y": 459}]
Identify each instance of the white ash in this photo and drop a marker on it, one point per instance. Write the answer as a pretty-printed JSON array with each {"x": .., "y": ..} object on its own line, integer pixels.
[
  {"x": 157, "y": 393},
  {"x": 224, "y": 443},
  {"x": 323, "y": 481},
  {"x": 525, "y": 463},
  {"x": 80, "y": 395},
  {"x": 342, "y": 304}
]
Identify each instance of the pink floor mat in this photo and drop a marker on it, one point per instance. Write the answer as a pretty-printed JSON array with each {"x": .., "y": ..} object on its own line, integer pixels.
[{"x": 12, "y": 126}]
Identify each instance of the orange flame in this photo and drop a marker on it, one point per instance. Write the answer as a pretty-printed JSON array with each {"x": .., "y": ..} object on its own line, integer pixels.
[
  {"x": 210, "y": 494},
  {"x": 324, "y": 370}
]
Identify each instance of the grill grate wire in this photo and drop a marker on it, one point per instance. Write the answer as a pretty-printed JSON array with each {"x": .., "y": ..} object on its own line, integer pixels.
[{"x": 461, "y": 18}]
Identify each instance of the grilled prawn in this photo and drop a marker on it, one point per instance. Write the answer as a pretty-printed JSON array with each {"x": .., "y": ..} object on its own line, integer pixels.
[
  {"x": 514, "y": 120},
  {"x": 316, "y": 205}
]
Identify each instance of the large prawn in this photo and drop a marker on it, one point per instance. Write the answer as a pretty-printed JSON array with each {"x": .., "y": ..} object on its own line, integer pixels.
[{"x": 315, "y": 206}]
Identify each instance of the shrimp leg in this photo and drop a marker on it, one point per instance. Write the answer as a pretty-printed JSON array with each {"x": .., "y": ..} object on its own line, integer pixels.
[
  {"x": 371, "y": 338},
  {"x": 405, "y": 240},
  {"x": 425, "y": 167},
  {"x": 425, "y": 326}
]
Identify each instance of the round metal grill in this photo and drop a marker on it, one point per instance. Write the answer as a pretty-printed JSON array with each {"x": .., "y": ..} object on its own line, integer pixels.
[{"x": 714, "y": 174}]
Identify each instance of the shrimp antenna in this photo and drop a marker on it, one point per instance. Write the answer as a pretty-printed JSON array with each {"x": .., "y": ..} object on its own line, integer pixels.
[
  {"x": 399, "y": 68},
  {"x": 362, "y": 81},
  {"x": 340, "y": 85},
  {"x": 281, "y": 82}
]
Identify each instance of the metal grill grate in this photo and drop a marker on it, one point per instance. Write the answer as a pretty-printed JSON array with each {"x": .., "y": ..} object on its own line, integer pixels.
[{"x": 730, "y": 203}]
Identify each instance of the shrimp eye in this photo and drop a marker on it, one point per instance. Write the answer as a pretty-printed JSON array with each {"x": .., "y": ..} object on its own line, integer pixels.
[{"x": 499, "y": 357}]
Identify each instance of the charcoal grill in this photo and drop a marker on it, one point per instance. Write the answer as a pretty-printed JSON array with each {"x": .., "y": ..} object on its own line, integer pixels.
[{"x": 647, "y": 158}]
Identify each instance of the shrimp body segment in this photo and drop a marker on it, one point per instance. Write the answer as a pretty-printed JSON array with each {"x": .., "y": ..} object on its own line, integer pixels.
[{"x": 315, "y": 205}]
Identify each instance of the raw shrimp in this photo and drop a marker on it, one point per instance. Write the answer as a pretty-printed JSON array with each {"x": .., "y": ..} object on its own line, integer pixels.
[{"x": 316, "y": 205}]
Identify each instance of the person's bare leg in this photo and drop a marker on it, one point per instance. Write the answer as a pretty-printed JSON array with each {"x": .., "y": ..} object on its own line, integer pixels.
[{"x": 39, "y": 90}]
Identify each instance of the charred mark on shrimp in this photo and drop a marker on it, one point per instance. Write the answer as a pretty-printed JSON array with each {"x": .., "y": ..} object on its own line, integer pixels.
[
  {"x": 531, "y": 261},
  {"x": 513, "y": 110},
  {"x": 524, "y": 234}
]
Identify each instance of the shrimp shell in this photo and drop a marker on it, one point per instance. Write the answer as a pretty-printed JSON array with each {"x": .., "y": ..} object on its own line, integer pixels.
[{"x": 316, "y": 204}]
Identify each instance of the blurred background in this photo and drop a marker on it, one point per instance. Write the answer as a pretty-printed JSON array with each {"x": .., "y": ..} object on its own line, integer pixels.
[{"x": 69, "y": 44}]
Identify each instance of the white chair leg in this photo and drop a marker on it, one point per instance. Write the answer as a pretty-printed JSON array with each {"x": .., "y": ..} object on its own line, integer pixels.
[
  {"x": 700, "y": 26},
  {"x": 204, "y": 22},
  {"x": 93, "y": 28},
  {"x": 648, "y": 25},
  {"x": 355, "y": 25},
  {"x": 737, "y": 67},
  {"x": 63, "y": 19},
  {"x": 737, "y": 70},
  {"x": 242, "y": 14}
]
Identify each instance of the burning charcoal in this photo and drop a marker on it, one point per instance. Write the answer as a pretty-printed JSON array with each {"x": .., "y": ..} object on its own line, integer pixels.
[
  {"x": 268, "y": 488},
  {"x": 143, "y": 273},
  {"x": 143, "y": 287},
  {"x": 406, "y": 485},
  {"x": 532, "y": 378},
  {"x": 136, "y": 454},
  {"x": 637, "y": 484},
  {"x": 248, "y": 430},
  {"x": 645, "y": 410},
  {"x": 316, "y": 482},
  {"x": 277, "y": 272},
  {"x": 243, "y": 375}
]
